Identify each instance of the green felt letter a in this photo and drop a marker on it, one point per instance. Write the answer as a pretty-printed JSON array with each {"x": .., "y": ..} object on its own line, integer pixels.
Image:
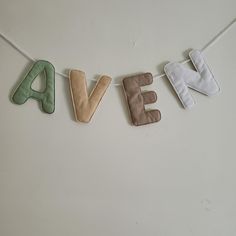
[{"x": 25, "y": 91}]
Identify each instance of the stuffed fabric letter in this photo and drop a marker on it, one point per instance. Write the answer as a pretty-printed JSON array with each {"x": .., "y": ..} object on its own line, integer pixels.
[
  {"x": 25, "y": 91},
  {"x": 84, "y": 105},
  {"x": 136, "y": 99},
  {"x": 183, "y": 78}
]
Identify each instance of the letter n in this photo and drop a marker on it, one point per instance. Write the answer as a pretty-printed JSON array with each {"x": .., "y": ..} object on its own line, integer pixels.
[{"x": 182, "y": 78}]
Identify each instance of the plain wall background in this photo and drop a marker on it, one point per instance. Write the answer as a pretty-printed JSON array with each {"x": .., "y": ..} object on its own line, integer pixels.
[{"x": 107, "y": 178}]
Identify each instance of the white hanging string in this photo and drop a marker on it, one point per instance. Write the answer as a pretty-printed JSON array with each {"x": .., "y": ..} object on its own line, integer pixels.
[{"x": 207, "y": 46}]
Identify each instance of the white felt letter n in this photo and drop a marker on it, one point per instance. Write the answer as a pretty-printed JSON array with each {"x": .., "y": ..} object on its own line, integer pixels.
[{"x": 182, "y": 78}]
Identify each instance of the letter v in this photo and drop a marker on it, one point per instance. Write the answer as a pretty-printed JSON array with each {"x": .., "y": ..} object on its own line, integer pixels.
[
  {"x": 183, "y": 78},
  {"x": 84, "y": 105}
]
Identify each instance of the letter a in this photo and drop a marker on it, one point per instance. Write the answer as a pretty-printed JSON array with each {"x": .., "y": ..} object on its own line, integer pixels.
[
  {"x": 183, "y": 78},
  {"x": 25, "y": 91},
  {"x": 84, "y": 105},
  {"x": 136, "y": 99}
]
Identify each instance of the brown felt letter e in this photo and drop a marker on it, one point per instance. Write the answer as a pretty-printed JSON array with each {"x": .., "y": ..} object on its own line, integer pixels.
[
  {"x": 85, "y": 105},
  {"x": 136, "y": 99}
]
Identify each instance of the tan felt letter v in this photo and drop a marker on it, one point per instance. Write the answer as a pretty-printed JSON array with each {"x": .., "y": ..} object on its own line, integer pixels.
[{"x": 84, "y": 105}]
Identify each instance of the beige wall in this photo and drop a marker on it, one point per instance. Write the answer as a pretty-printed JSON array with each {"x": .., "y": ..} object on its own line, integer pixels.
[{"x": 108, "y": 178}]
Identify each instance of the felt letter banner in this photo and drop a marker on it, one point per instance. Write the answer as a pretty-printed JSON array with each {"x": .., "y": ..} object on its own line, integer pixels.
[
  {"x": 201, "y": 80},
  {"x": 47, "y": 97},
  {"x": 136, "y": 99},
  {"x": 84, "y": 105}
]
